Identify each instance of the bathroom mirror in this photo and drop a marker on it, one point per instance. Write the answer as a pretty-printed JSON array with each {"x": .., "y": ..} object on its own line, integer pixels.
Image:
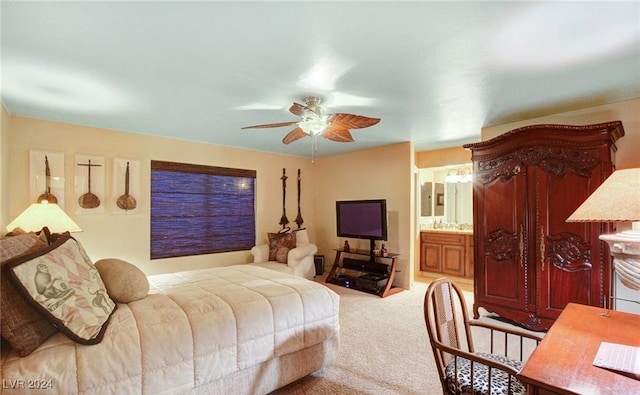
[
  {"x": 426, "y": 200},
  {"x": 446, "y": 194}
]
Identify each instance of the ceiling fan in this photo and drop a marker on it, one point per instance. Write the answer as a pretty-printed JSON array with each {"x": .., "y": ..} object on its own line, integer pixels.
[{"x": 314, "y": 122}]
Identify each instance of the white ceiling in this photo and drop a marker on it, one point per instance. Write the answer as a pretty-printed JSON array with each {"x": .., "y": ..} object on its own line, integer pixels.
[{"x": 434, "y": 72}]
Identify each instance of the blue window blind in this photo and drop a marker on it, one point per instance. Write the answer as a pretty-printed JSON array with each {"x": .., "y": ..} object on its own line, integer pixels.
[{"x": 198, "y": 209}]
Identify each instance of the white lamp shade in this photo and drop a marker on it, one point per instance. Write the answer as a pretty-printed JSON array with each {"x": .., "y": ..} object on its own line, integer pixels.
[
  {"x": 39, "y": 215},
  {"x": 617, "y": 199}
]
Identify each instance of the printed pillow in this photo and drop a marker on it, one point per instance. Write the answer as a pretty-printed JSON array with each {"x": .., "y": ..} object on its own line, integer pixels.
[
  {"x": 63, "y": 285},
  {"x": 21, "y": 326},
  {"x": 279, "y": 246}
]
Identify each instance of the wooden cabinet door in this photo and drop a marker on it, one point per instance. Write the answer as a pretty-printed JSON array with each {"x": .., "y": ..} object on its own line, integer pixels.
[
  {"x": 569, "y": 256},
  {"x": 500, "y": 264},
  {"x": 430, "y": 257},
  {"x": 453, "y": 259}
]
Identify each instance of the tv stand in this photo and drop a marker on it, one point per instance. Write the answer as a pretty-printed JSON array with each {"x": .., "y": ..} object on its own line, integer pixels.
[
  {"x": 364, "y": 275},
  {"x": 372, "y": 247}
]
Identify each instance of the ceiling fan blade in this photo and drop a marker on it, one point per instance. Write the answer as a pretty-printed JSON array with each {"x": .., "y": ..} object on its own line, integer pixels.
[
  {"x": 353, "y": 121},
  {"x": 338, "y": 133},
  {"x": 297, "y": 109},
  {"x": 294, "y": 135},
  {"x": 301, "y": 110},
  {"x": 271, "y": 125}
]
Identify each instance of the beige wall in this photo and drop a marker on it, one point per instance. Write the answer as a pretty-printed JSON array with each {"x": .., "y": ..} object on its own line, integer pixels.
[
  {"x": 127, "y": 236},
  {"x": 378, "y": 173},
  {"x": 386, "y": 172},
  {"x": 4, "y": 167},
  {"x": 627, "y": 111},
  {"x": 381, "y": 172},
  {"x": 443, "y": 157}
]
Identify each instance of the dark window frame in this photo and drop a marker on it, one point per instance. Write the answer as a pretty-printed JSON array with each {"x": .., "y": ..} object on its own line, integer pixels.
[{"x": 199, "y": 209}]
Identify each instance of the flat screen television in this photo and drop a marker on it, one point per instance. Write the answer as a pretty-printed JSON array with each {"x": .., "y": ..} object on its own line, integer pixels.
[{"x": 362, "y": 219}]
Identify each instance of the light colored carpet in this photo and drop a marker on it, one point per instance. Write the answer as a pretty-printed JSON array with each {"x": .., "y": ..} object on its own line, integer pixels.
[{"x": 384, "y": 347}]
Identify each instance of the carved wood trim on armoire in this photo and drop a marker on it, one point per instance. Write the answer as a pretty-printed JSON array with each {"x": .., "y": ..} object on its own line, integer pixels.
[{"x": 528, "y": 261}]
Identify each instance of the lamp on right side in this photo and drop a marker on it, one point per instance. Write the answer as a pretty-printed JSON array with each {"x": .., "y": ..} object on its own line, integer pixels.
[{"x": 617, "y": 199}]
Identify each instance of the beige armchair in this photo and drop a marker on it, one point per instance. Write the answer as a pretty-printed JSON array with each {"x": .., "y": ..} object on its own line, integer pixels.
[{"x": 299, "y": 259}]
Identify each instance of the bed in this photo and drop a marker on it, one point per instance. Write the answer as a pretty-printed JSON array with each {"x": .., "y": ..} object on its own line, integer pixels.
[{"x": 238, "y": 329}]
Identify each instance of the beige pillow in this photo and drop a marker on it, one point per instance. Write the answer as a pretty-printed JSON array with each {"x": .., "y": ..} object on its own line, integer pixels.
[{"x": 125, "y": 282}]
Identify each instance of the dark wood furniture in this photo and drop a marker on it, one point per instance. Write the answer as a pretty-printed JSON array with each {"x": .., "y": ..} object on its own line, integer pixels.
[
  {"x": 447, "y": 252},
  {"x": 529, "y": 262},
  {"x": 361, "y": 278},
  {"x": 563, "y": 362}
]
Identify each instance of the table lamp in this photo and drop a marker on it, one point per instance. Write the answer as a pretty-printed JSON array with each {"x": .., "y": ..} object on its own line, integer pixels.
[
  {"x": 617, "y": 199},
  {"x": 39, "y": 215}
]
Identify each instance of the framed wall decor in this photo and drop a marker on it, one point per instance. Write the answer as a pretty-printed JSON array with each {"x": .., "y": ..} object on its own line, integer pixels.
[
  {"x": 46, "y": 177},
  {"x": 89, "y": 184},
  {"x": 126, "y": 186}
]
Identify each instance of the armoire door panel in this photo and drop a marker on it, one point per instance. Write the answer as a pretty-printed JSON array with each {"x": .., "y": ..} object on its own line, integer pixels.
[
  {"x": 500, "y": 280},
  {"x": 565, "y": 251},
  {"x": 502, "y": 265},
  {"x": 564, "y": 287}
]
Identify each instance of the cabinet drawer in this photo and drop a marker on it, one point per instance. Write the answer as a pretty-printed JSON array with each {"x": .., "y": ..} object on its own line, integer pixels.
[{"x": 442, "y": 238}]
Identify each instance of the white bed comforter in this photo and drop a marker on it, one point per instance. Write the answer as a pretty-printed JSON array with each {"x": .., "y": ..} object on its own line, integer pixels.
[{"x": 192, "y": 329}]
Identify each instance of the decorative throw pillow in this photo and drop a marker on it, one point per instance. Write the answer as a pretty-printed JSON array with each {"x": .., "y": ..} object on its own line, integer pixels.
[
  {"x": 21, "y": 326},
  {"x": 279, "y": 246},
  {"x": 43, "y": 235},
  {"x": 63, "y": 285},
  {"x": 125, "y": 282}
]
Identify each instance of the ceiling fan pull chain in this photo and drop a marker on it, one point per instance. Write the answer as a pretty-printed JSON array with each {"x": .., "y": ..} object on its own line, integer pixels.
[{"x": 314, "y": 147}]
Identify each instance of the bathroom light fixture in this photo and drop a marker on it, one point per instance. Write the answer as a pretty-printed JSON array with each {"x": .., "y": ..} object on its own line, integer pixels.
[{"x": 459, "y": 175}]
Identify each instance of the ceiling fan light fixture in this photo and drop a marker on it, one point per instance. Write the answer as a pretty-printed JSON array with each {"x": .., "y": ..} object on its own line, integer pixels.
[
  {"x": 313, "y": 126},
  {"x": 313, "y": 122}
]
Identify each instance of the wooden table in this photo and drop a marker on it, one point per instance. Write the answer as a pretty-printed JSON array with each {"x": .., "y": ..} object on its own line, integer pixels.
[{"x": 563, "y": 362}]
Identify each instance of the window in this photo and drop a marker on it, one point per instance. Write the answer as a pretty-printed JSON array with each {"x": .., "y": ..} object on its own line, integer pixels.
[{"x": 198, "y": 209}]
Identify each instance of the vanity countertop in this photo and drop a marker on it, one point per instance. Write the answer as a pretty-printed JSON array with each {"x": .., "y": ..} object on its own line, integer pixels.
[{"x": 449, "y": 230}]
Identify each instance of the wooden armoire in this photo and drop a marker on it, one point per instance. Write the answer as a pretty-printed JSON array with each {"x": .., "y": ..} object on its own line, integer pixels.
[{"x": 528, "y": 261}]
